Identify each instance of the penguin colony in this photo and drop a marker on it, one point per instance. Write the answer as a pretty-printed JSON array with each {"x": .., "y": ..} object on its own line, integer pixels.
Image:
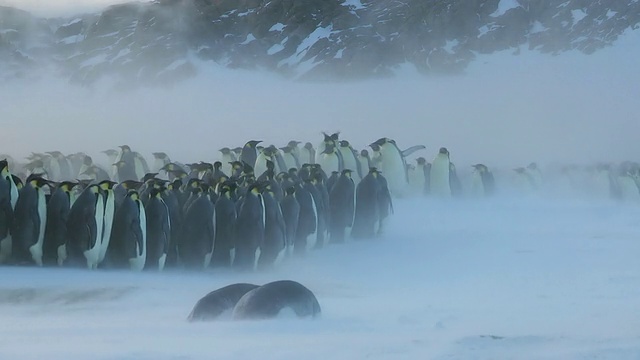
[{"x": 250, "y": 210}]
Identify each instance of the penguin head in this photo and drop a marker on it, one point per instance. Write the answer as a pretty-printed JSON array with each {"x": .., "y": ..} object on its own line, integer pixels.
[
  {"x": 532, "y": 166},
  {"x": 293, "y": 144},
  {"x": 133, "y": 195},
  {"x": 156, "y": 192},
  {"x": 286, "y": 149},
  {"x": 110, "y": 152},
  {"x": 252, "y": 143},
  {"x": 131, "y": 184},
  {"x": 4, "y": 167},
  {"x": 149, "y": 176},
  {"x": 87, "y": 160},
  {"x": 247, "y": 169},
  {"x": 217, "y": 165},
  {"x": 55, "y": 154},
  {"x": 67, "y": 186},
  {"x": 237, "y": 150},
  {"x": 480, "y": 168},
  {"x": 421, "y": 161},
  {"x": 176, "y": 184},
  {"x": 84, "y": 183},
  {"x": 378, "y": 143},
  {"x": 290, "y": 190},
  {"x": 37, "y": 180},
  {"x": 443, "y": 150},
  {"x": 225, "y": 151},
  {"x": 125, "y": 148},
  {"x": 364, "y": 153},
  {"x": 94, "y": 188},
  {"x": 106, "y": 184},
  {"x": 308, "y": 146},
  {"x": 160, "y": 155},
  {"x": 344, "y": 143},
  {"x": 373, "y": 172},
  {"x": 17, "y": 181},
  {"x": 347, "y": 172},
  {"x": 520, "y": 170}
]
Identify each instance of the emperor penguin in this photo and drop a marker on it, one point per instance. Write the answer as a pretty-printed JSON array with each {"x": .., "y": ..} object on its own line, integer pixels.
[
  {"x": 419, "y": 177},
  {"x": 160, "y": 159},
  {"x": 63, "y": 167},
  {"x": 260, "y": 165},
  {"x": 113, "y": 157},
  {"x": 249, "y": 152},
  {"x": 385, "y": 204},
  {"x": 158, "y": 230},
  {"x": 536, "y": 175},
  {"x": 330, "y": 159},
  {"x": 30, "y": 218},
  {"x": 226, "y": 158},
  {"x": 350, "y": 160},
  {"x": 366, "y": 215},
  {"x": 9, "y": 193},
  {"x": 482, "y": 181},
  {"x": 342, "y": 206},
  {"x": 440, "y": 174},
  {"x": 56, "y": 233},
  {"x": 454, "y": 181},
  {"x": 250, "y": 225},
  {"x": 109, "y": 202},
  {"x": 76, "y": 161},
  {"x": 128, "y": 245},
  {"x": 291, "y": 213},
  {"x": 626, "y": 182},
  {"x": 273, "y": 246},
  {"x": 225, "y": 231},
  {"x": 331, "y": 140},
  {"x": 171, "y": 195},
  {"x": 84, "y": 226},
  {"x": 291, "y": 155},
  {"x": 365, "y": 162},
  {"x": 198, "y": 232},
  {"x": 307, "y": 154},
  {"x": 393, "y": 165}
]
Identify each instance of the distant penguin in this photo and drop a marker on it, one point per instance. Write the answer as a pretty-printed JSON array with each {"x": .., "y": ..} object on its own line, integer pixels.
[
  {"x": 30, "y": 218},
  {"x": 158, "y": 231},
  {"x": 385, "y": 204},
  {"x": 8, "y": 198},
  {"x": 536, "y": 175},
  {"x": 85, "y": 226},
  {"x": 330, "y": 158},
  {"x": 249, "y": 152},
  {"x": 291, "y": 213},
  {"x": 626, "y": 182},
  {"x": 328, "y": 140},
  {"x": 342, "y": 206},
  {"x": 393, "y": 165},
  {"x": 291, "y": 155},
  {"x": 269, "y": 300},
  {"x": 454, "y": 181},
  {"x": 198, "y": 232},
  {"x": 128, "y": 245},
  {"x": 420, "y": 177},
  {"x": 483, "y": 182},
  {"x": 524, "y": 181},
  {"x": 56, "y": 233},
  {"x": 218, "y": 302},
  {"x": 250, "y": 225},
  {"x": 62, "y": 165},
  {"x": 440, "y": 174},
  {"x": 109, "y": 202},
  {"x": 366, "y": 216},
  {"x": 365, "y": 162},
  {"x": 307, "y": 154},
  {"x": 349, "y": 160},
  {"x": 274, "y": 242},
  {"x": 225, "y": 231}
]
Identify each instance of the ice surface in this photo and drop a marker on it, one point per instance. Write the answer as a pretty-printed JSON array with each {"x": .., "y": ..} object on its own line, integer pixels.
[{"x": 512, "y": 277}]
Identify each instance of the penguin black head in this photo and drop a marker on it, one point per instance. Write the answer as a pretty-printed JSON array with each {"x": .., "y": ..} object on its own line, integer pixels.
[
  {"x": 479, "y": 167},
  {"x": 290, "y": 190},
  {"x": 335, "y": 136},
  {"x": 67, "y": 185},
  {"x": 443, "y": 150},
  {"x": 364, "y": 153},
  {"x": 421, "y": 161},
  {"x": 217, "y": 165},
  {"x": 378, "y": 143},
  {"x": 56, "y": 154},
  {"x": 159, "y": 155},
  {"x": 37, "y": 181},
  {"x": 149, "y": 176},
  {"x": 106, "y": 184},
  {"x": 4, "y": 165},
  {"x": 125, "y": 148},
  {"x": 237, "y": 150},
  {"x": 308, "y": 146},
  {"x": 176, "y": 184},
  {"x": 286, "y": 149},
  {"x": 225, "y": 151},
  {"x": 179, "y": 173},
  {"x": 110, "y": 152},
  {"x": 344, "y": 143},
  {"x": 87, "y": 160},
  {"x": 293, "y": 143},
  {"x": 532, "y": 166},
  {"x": 252, "y": 143},
  {"x": 247, "y": 169},
  {"x": 347, "y": 172},
  {"x": 17, "y": 181},
  {"x": 131, "y": 184},
  {"x": 520, "y": 170}
]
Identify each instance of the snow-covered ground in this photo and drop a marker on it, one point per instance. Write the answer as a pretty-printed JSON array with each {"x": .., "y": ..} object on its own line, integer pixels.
[{"x": 502, "y": 278}]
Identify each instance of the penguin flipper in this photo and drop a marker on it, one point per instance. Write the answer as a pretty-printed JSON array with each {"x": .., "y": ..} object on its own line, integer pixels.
[{"x": 412, "y": 149}]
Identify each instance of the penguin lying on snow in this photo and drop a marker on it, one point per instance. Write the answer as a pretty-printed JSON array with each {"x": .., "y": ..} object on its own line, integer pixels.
[{"x": 252, "y": 302}]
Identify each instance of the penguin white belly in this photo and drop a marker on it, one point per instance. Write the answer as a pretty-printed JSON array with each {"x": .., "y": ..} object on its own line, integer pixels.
[
  {"x": 312, "y": 239},
  {"x": 261, "y": 165},
  {"x": 440, "y": 176},
  {"x": 289, "y": 161},
  {"x": 137, "y": 263},
  {"x": 349, "y": 162},
  {"x": 319, "y": 152},
  {"x": 628, "y": 189},
  {"x": 36, "y": 249},
  {"x": 364, "y": 165},
  {"x": 139, "y": 168},
  {"x": 477, "y": 186},
  {"x": 416, "y": 180},
  {"x": 92, "y": 255},
  {"x": 394, "y": 170},
  {"x": 209, "y": 255},
  {"x": 14, "y": 193},
  {"x": 305, "y": 157},
  {"x": 107, "y": 225},
  {"x": 54, "y": 171}
]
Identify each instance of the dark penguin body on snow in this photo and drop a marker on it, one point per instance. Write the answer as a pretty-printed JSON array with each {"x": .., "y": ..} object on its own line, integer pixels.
[
  {"x": 84, "y": 228},
  {"x": 291, "y": 213},
  {"x": 8, "y": 198},
  {"x": 30, "y": 216},
  {"x": 274, "y": 242},
  {"x": 128, "y": 238},
  {"x": 249, "y": 152},
  {"x": 269, "y": 300},
  {"x": 225, "y": 239},
  {"x": 158, "y": 231},
  {"x": 175, "y": 220},
  {"x": 249, "y": 229},
  {"x": 196, "y": 243},
  {"x": 219, "y": 301},
  {"x": 367, "y": 207},
  {"x": 307, "y": 220},
  {"x": 56, "y": 233},
  {"x": 342, "y": 206}
]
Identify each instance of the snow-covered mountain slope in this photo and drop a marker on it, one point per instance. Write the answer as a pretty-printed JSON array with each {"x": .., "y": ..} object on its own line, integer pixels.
[{"x": 159, "y": 41}]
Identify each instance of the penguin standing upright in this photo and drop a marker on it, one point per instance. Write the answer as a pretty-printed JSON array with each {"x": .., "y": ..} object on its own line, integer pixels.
[
  {"x": 225, "y": 212},
  {"x": 291, "y": 213},
  {"x": 330, "y": 158},
  {"x": 249, "y": 228},
  {"x": 56, "y": 233},
  {"x": 8, "y": 199},
  {"x": 342, "y": 206},
  {"x": 366, "y": 214},
  {"x": 385, "y": 203},
  {"x": 274, "y": 243},
  {"x": 454, "y": 181},
  {"x": 249, "y": 152},
  {"x": 30, "y": 218},
  {"x": 440, "y": 173},
  {"x": 307, "y": 154},
  {"x": 158, "y": 231},
  {"x": 198, "y": 231},
  {"x": 160, "y": 159},
  {"x": 109, "y": 202},
  {"x": 393, "y": 164},
  {"x": 170, "y": 197},
  {"x": 365, "y": 162},
  {"x": 483, "y": 183},
  {"x": 128, "y": 245},
  {"x": 291, "y": 155},
  {"x": 306, "y": 232},
  {"x": 350, "y": 160},
  {"x": 419, "y": 177},
  {"x": 84, "y": 227}
]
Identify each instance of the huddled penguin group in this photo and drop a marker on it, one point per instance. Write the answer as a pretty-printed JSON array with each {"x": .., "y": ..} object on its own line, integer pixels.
[{"x": 251, "y": 209}]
